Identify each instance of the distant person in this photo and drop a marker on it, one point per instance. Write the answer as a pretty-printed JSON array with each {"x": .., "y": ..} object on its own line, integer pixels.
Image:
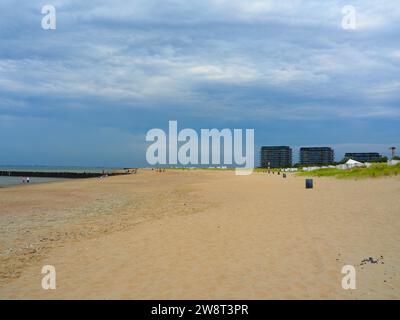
[{"x": 27, "y": 180}]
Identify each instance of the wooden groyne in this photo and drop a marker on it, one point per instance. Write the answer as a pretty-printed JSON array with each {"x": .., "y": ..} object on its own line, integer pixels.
[{"x": 67, "y": 175}]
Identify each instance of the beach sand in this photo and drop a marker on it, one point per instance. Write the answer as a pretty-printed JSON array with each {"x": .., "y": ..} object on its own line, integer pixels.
[{"x": 201, "y": 234}]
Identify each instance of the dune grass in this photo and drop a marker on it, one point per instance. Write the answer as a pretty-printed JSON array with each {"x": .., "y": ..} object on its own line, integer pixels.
[{"x": 374, "y": 171}]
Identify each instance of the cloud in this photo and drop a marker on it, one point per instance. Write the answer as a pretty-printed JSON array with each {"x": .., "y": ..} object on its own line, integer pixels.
[{"x": 134, "y": 65}]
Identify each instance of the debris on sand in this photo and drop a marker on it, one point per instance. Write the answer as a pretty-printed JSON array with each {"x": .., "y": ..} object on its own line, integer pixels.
[{"x": 372, "y": 260}]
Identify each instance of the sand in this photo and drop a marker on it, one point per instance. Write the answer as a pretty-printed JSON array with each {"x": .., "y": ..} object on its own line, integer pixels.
[{"x": 201, "y": 235}]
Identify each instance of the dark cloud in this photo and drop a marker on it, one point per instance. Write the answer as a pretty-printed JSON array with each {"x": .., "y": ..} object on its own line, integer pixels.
[{"x": 287, "y": 69}]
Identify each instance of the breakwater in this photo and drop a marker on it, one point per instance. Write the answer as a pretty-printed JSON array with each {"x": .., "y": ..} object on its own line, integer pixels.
[{"x": 66, "y": 175}]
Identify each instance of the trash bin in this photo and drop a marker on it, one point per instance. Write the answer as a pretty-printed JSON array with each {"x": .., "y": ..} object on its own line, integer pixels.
[{"x": 309, "y": 183}]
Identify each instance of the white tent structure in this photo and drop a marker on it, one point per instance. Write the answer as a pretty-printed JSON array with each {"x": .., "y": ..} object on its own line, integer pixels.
[
  {"x": 351, "y": 164},
  {"x": 393, "y": 162}
]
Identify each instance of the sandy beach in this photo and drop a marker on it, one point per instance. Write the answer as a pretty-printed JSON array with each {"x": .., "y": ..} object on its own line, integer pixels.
[{"x": 201, "y": 235}]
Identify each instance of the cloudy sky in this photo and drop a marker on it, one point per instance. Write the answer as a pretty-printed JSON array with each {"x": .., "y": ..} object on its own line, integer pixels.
[{"x": 87, "y": 92}]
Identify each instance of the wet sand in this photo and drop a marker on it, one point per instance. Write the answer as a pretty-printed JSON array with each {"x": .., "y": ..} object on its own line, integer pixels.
[{"x": 201, "y": 235}]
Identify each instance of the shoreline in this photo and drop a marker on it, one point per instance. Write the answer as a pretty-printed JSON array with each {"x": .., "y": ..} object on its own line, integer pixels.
[
  {"x": 40, "y": 177},
  {"x": 32, "y": 182},
  {"x": 67, "y": 175}
]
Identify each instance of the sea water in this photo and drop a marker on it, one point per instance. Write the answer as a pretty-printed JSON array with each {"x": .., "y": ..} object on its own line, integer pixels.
[
  {"x": 9, "y": 181},
  {"x": 59, "y": 169}
]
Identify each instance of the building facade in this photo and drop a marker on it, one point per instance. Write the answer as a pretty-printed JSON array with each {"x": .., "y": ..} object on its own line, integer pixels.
[
  {"x": 316, "y": 156},
  {"x": 276, "y": 157},
  {"x": 363, "y": 156}
]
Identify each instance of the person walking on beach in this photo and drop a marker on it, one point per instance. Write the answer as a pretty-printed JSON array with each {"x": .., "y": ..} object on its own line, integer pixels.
[{"x": 27, "y": 179}]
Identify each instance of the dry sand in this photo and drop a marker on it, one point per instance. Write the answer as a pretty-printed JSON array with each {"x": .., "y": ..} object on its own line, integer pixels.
[{"x": 201, "y": 235}]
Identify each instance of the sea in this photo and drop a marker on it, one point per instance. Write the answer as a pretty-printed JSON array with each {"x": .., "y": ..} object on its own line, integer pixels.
[{"x": 10, "y": 181}]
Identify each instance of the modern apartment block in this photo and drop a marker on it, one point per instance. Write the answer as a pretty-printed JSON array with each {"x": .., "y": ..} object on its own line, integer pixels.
[
  {"x": 310, "y": 156},
  {"x": 276, "y": 157},
  {"x": 363, "y": 156}
]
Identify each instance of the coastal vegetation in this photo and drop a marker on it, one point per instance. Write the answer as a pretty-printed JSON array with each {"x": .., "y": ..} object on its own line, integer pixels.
[{"x": 374, "y": 171}]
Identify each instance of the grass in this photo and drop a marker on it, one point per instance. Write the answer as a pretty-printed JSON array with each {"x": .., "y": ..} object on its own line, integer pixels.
[{"x": 374, "y": 171}]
